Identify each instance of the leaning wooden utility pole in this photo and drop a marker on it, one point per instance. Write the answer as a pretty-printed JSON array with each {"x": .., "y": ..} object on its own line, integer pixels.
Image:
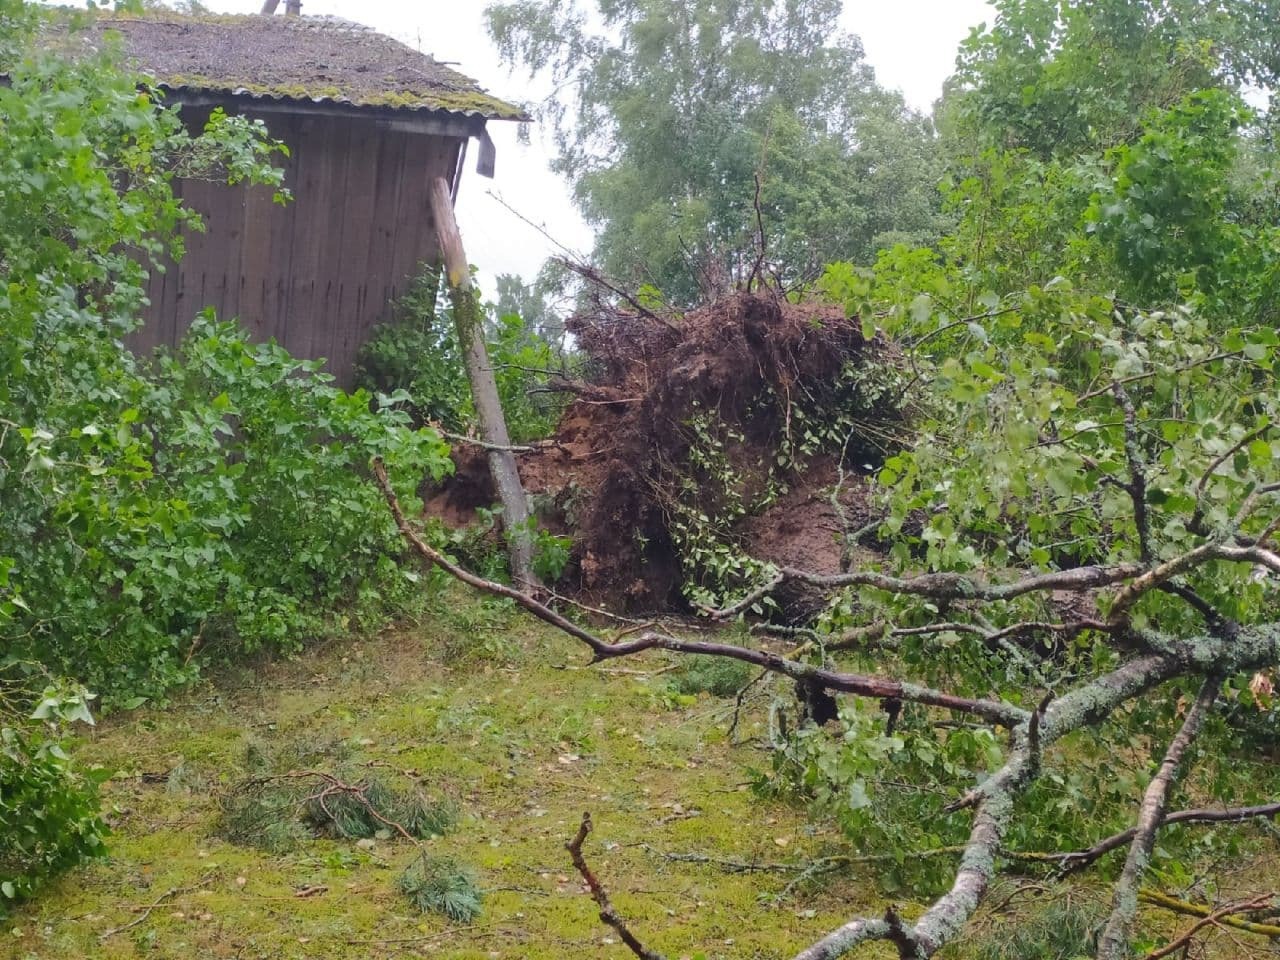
[{"x": 484, "y": 389}]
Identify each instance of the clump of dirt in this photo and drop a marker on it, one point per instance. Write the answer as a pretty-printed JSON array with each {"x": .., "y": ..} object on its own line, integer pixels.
[{"x": 625, "y": 461}]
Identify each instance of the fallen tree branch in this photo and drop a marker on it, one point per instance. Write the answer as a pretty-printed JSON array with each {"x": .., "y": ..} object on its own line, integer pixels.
[
  {"x": 1220, "y": 914},
  {"x": 591, "y": 275},
  {"x": 993, "y": 808},
  {"x": 586, "y": 391},
  {"x": 1077, "y": 859},
  {"x": 1155, "y": 898},
  {"x": 608, "y": 914},
  {"x": 332, "y": 786},
  {"x": 881, "y": 688},
  {"x": 1113, "y": 943},
  {"x": 483, "y": 445},
  {"x": 1166, "y": 657},
  {"x": 941, "y": 586}
]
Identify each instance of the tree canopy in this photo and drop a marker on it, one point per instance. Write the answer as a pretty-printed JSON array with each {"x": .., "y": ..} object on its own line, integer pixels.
[{"x": 664, "y": 114}]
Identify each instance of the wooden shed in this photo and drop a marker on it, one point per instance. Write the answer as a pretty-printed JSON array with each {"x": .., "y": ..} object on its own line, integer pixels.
[{"x": 369, "y": 123}]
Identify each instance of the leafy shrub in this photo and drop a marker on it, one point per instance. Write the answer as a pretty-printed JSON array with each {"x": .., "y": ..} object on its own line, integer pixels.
[
  {"x": 550, "y": 554},
  {"x": 417, "y": 354},
  {"x": 213, "y": 505},
  {"x": 442, "y": 885},
  {"x": 49, "y": 817},
  {"x": 520, "y": 355}
]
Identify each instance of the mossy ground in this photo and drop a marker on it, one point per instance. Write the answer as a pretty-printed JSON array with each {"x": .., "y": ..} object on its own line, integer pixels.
[{"x": 506, "y": 715}]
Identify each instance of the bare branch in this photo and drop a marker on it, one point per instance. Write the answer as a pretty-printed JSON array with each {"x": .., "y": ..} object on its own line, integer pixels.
[
  {"x": 1163, "y": 900},
  {"x": 591, "y": 275},
  {"x": 1211, "y": 616},
  {"x": 1077, "y": 859},
  {"x": 1253, "y": 554},
  {"x": 608, "y": 914},
  {"x": 843, "y": 939},
  {"x": 944, "y": 586},
  {"x": 1163, "y": 573},
  {"x": 145, "y": 911},
  {"x": 744, "y": 604},
  {"x": 900, "y": 935},
  {"x": 994, "y": 711},
  {"x": 472, "y": 441},
  {"x": 1113, "y": 943},
  {"x": 1183, "y": 940},
  {"x": 1252, "y": 500},
  {"x": 757, "y": 269}
]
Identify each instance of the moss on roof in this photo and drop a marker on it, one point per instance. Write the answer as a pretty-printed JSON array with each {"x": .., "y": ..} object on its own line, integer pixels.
[{"x": 299, "y": 58}]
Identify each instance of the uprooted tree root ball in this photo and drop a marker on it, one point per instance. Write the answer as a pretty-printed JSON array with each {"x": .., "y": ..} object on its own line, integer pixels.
[{"x": 703, "y": 444}]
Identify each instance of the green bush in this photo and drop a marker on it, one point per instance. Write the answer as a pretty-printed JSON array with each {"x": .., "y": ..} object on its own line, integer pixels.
[
  {"x": 417, "y": 354},
  {"x": 215, "y": 505},
  {"x": 210, "y": 503},
  {"x": 49, "y": 817},
  {"x": 550, "y": 554}
]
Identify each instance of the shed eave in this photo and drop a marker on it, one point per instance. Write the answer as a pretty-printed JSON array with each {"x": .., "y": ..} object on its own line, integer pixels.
[
  {"x": 448, "y": 123},
  {"x": 398, "y": 104}
]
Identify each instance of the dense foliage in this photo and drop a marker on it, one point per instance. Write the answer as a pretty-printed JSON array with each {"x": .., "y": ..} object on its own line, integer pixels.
[
  {"x": 417, "y": 354},
  {"x": 1094, "y": 350},
  {"x": 49, "y": 818},
  {"x": 156, "y": 512}
]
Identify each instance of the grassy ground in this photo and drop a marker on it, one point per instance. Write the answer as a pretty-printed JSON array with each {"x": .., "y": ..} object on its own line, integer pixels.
[
  {"x": 503, "y": 714},
  {"x": 488, "y": 706}
]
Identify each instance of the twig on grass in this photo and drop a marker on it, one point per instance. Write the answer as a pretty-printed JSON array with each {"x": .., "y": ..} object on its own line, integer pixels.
[
  {"x": 145, "y": 911},
  {"x": 608, "y": 914}
]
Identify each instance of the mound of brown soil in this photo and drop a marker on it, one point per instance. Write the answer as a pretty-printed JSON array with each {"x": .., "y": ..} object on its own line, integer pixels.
[{"x": 619, "y": 464}]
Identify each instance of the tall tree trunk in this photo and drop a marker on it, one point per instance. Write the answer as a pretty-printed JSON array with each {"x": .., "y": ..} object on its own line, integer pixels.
[{"x": 484, "y": 389}]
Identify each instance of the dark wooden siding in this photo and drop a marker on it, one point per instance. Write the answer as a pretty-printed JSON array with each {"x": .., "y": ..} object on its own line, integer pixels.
[{"x": 316, "y": 274}]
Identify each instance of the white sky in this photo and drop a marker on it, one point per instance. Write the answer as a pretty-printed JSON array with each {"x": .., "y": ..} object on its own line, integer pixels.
[{"x": 911, "y": 43}]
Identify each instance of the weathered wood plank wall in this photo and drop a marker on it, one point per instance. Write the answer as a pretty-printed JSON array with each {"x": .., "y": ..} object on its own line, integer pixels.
[{"x": 317, "y": 274}]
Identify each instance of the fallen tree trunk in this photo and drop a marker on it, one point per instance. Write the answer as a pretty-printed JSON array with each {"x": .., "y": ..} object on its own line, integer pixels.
[{"x": 484, "y": 389}]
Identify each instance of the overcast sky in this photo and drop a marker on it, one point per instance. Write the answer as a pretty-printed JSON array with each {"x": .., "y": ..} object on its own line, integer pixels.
[{"x": 911, "y": 43}]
